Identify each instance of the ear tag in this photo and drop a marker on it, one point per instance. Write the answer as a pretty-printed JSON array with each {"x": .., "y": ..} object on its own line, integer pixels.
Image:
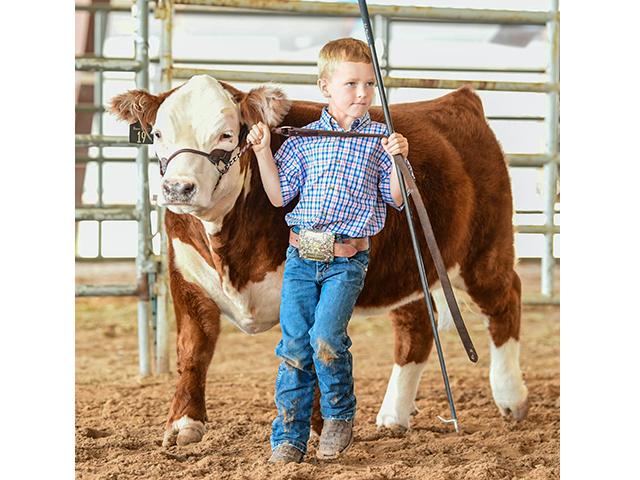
[{"x": 138, "y": 135}]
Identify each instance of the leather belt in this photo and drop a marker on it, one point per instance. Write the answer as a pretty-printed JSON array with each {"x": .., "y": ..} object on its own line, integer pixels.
[{"x": 348, "y": 248}]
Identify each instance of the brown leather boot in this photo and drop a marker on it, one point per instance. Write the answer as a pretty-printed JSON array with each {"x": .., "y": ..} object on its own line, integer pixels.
[
  {"x": 286, "y": 453},
  {"x": 336, "y": 438}
]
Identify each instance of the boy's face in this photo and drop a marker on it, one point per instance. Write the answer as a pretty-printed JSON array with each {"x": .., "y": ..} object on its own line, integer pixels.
[{"x": 350, "y": 89}]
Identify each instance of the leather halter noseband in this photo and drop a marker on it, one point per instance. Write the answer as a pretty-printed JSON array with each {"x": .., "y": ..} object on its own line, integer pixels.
[{"x": 216, "y": 157}]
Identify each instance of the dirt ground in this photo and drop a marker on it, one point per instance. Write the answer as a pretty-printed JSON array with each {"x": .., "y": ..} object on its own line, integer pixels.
[{"x": 120, "y": 417}]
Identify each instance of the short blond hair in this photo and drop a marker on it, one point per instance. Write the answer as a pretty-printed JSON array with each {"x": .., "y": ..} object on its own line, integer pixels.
[{"x": 341, "y": 50}]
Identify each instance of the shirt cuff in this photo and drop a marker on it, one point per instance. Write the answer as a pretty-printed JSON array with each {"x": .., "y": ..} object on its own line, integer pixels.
[{"x": 385, "y": 190}]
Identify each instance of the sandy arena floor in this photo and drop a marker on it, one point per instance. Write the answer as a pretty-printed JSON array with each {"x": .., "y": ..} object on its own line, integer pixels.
[{"x": 119, "y": 418}]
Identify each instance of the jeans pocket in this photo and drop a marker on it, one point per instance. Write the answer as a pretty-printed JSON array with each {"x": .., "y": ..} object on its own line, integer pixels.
[{"x": 361, "y": 259}]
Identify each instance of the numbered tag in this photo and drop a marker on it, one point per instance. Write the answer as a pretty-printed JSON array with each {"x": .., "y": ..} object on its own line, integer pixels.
[{"x": 138, "y": 135}]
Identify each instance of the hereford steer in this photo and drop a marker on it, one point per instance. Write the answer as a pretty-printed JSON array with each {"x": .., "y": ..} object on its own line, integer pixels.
[{"x": 227, "y": 242}]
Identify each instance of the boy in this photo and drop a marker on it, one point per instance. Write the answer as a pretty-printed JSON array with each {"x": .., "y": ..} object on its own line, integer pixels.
[{"x": 344, "y": 185}]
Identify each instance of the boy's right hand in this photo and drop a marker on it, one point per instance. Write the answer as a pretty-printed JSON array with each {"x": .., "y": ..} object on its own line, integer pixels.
[{"x": 260, "y": 137}]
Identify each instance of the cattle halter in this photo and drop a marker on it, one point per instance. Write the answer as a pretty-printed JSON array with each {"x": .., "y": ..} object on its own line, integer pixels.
[{"x": 216, "y": 156}]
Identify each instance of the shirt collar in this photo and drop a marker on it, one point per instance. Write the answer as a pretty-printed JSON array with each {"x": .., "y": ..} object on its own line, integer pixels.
[{"x": 330, "y": 123}]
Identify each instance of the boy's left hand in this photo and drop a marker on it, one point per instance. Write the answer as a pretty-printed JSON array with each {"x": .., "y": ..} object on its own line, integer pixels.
[{"x": 396, "y": 144}]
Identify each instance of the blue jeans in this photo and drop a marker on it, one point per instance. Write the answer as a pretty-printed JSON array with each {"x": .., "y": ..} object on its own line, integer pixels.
[{"x": 317, "y": 302}]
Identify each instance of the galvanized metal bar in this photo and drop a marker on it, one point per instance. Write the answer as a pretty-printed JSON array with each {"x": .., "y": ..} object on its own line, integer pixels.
[
  {"x": 551, "y": 169},
  {"x": 518, "y": 118},
  {"x": 432, "y": 14},
  {"x": 162, "y": 292},
  {"x": 101, "y": 213},
  {"x": 106, "y": 290},
  {"x": 390, "y": 66},
  {"x": 103, "y": 7},
  {"x": 99, "y": 32},
  {"x": 104, "y": 140},
  {"x": 533, "y": 212},
  {"x": 107, "y": 64},
  {"x": 103, "y": 259},
  {"x": 89, "y": 108},
  {"x": 87, "y": 159},
  {"x": 522, "y": 17},
  {"x": 165, "y": 12},
  {"x": 431, "y": 68},
  {"x": 391, "y": 82},
  {"x": 140, "y": 11},
  {"x": 382, "y": 32},
  {"x": 546, "y": 229},
  {"x": 531, "y": 160}
]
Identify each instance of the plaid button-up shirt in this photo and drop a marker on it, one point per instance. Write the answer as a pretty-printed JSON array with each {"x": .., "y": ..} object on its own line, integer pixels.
[{"x": 343, "y": 183}]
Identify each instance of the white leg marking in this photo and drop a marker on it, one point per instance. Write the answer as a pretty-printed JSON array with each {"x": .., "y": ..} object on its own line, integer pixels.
[
  {"x": 183, "y": 431},
  {"x": 399, "y": 401},
  {"x": 509, "y": 390}
]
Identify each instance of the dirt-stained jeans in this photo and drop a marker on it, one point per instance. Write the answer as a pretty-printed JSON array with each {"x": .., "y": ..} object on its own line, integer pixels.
[{"x": 316, "y": 305}]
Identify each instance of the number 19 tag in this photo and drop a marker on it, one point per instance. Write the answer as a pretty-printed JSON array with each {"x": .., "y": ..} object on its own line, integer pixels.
[{"x": 138, "y": 135}]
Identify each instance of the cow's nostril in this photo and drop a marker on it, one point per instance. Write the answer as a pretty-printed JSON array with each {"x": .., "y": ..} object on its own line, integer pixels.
[{"x": 187, "y": 189}]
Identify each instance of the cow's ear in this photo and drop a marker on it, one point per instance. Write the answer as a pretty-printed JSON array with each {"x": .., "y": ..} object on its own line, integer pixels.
[
  {"x": 267, "y": 103},
  {"x": 137, "y": 105}
]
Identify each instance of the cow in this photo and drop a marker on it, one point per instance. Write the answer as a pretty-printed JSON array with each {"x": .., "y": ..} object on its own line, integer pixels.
[{"x": 227, "y": 242}]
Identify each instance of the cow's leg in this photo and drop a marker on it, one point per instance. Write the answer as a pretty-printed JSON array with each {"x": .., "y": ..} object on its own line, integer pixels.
[
  {"x": 413, "y": 342},
  {"x": 495, "y": 286},
  {"x": 316, "y": 417},
  {"x": 198, "y": 325}
]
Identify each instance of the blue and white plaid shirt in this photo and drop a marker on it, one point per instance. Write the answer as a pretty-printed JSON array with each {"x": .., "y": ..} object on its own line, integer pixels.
[{"x": 344, "y": 183}]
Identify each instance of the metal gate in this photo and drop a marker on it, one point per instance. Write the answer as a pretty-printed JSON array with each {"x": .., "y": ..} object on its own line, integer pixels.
[{"x": 151, "y": 287}]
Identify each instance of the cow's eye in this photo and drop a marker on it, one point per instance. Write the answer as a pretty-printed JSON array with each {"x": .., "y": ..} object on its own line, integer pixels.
[
  {"x": 226, "y": 135},
  {"x": 157, "y": 134}
]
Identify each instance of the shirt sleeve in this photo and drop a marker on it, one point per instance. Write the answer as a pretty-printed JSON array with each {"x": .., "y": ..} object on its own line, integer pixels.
[
  {"x": 385, "y": 165},
  {"x": 288, "y": 160}
]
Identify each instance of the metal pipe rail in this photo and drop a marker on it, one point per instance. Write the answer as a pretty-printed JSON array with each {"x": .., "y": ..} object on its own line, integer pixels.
[
  {"x": 431, "y": 14},
  {"x": 102, "y": 213},
  {"x": 107, "y": 291},
  {"x": 390, "y": 82},
  {"x": 291, "y": 63},
  {"x": 102, "y": 64},
  {"x": 100, "y": 158},
  {"x": 103, "y": 140}
]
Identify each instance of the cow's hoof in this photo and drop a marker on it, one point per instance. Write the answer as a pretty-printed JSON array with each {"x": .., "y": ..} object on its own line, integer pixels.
[
  {"x": 392, "y": 421},
  {"x": 396, "y": 416},
  {"x": 513, "y": 403},
  {"x": 517, "y": 412},
  {"x": 183, "y": 432}
]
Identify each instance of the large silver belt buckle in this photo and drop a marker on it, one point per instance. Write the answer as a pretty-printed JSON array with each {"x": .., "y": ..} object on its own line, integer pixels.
[{"x": 316, "y": 245}]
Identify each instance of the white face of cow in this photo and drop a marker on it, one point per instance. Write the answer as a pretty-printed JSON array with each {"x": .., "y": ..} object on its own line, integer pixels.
[{"x": 201, "y": 115}]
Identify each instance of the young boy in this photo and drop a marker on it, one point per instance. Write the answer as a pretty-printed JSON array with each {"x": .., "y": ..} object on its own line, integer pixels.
[{"x": 344, "y": 185}]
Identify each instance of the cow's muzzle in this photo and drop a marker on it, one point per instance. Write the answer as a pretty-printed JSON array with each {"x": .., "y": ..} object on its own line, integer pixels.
[{"x": 178, "y": 191}]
